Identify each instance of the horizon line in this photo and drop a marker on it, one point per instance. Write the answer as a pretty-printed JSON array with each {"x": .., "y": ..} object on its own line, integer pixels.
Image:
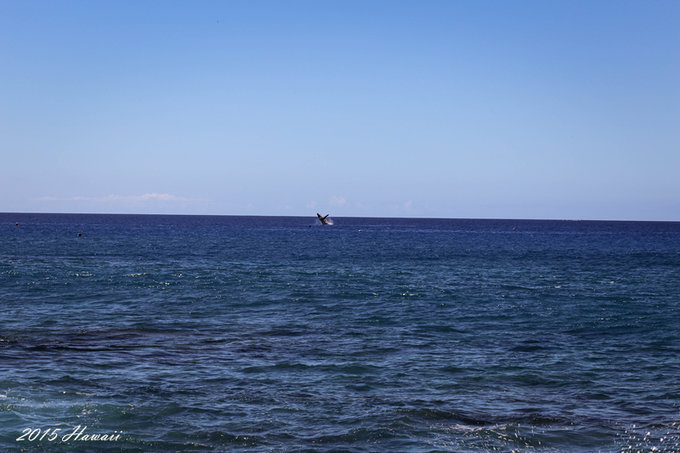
[{"x": 535, "y": 219}]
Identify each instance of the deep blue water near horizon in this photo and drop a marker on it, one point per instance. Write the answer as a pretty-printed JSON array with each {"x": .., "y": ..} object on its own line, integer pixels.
[{"x": 218, "y": 333}]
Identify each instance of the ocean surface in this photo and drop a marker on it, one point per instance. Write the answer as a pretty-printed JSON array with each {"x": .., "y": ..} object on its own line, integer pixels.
[{"x": 193, "y": 333}]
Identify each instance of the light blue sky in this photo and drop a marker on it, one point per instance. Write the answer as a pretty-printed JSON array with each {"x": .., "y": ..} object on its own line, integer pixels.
[{"x": 491, "y": 109}]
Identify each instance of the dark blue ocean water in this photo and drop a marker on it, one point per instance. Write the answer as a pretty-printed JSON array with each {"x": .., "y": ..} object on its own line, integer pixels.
[{"x": 277, "y": 334}]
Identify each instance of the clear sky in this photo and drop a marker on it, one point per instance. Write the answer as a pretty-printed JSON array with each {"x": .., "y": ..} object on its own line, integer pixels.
[{"x": 488, "y": 109}]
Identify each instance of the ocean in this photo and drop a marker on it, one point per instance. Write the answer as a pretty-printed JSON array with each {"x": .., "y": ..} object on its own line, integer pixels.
[{"x": 222, "y": 333}]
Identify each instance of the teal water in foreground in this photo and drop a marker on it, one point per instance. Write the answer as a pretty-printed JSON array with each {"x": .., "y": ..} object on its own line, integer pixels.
[{"x": 189, "y": 333}]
